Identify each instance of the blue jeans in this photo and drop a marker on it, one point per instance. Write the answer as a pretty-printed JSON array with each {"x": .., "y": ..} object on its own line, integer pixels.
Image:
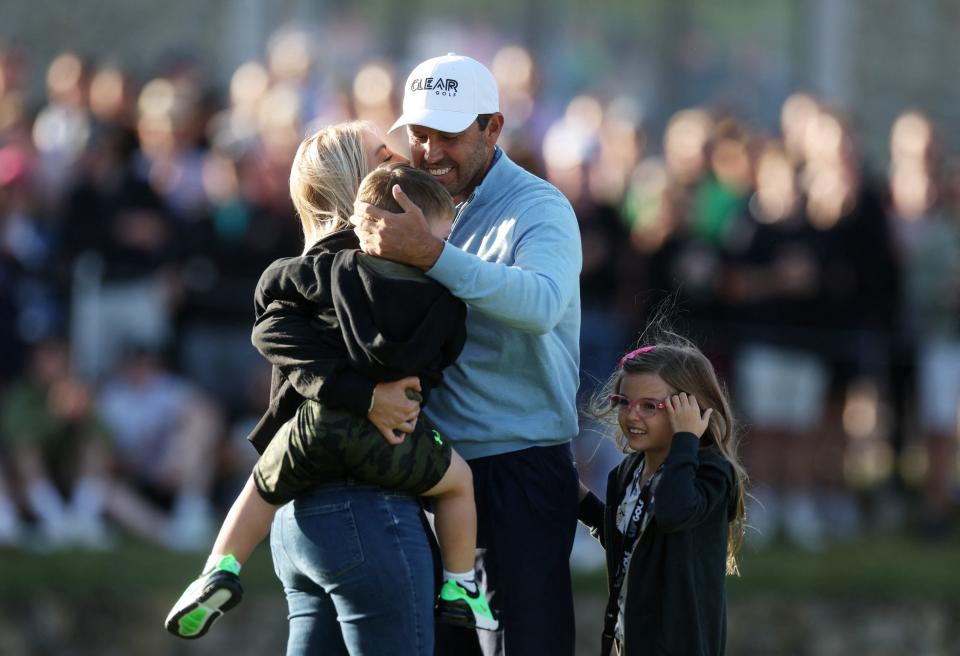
[{"x": 357, "y": 571}]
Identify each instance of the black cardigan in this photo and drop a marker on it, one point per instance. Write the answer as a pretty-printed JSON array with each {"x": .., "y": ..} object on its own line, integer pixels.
[
  {"x": 334, "y": 322},
  {"x": 676, "y": 594}
]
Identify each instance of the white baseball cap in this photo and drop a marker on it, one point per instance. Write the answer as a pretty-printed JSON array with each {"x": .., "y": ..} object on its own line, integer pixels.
[{"x": 447, "y": 93}]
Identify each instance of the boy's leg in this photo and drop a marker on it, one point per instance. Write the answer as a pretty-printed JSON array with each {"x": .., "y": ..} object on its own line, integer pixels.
[
  {"x": 461, "y": 601},
  {"x": 456, "y": 516},
  {"x": 246, "y": 524},
  {"x": 218, "y": 589}
]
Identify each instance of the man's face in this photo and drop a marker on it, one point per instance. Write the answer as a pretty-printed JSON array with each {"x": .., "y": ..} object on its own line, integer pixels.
[{"x": 458, "y": 161}]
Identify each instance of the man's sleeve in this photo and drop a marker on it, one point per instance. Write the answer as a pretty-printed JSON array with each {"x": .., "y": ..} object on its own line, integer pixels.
[{"x": 534, "y": 292}]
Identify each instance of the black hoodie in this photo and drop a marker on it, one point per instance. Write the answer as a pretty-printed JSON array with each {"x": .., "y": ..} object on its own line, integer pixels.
[{"x": 334, "y": 322}]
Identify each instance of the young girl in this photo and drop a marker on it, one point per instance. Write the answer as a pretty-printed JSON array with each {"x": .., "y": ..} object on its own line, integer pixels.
[
  {"x": 674, "y": 514},
  {"x": 333, "y": 322}
]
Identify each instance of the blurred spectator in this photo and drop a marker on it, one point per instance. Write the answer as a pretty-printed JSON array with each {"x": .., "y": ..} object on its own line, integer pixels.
[
  {"x": 125, "y": 286},
  {"x": 62, "y": 457},
  {"x": 233, "y": 131},
  {"x": 170, "y": 158},
  {"x": 12, "y": 274},
  {"x": 796, "y": 115},
  {"x": 235, "y": 246},
  {"x": 928, "y": 232},
  {"x": 63, "y": 127},
  {"x": 858, "y": 304},
  {"x": 573, "y": 151},
  {"x": 721, "y": 195},
  {"x": 518, "y": 80},
  {"x": 772, "y": 286},
  {"x": 167, "y": 434},
  {"x": 12, "y": 98}
]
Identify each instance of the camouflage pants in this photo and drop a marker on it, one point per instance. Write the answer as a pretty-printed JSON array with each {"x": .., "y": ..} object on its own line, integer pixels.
[{"x": 321, "y": 445}]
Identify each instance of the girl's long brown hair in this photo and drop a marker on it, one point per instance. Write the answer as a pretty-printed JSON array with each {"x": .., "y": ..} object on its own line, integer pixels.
[{"x": 684, "y": 367}]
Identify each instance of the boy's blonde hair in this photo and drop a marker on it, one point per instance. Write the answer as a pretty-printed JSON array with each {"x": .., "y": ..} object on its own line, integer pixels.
[
  {"x": 420, "y": 187},
  {"x": 682, "y": 366},
  {"x": 324, "y": 178}
]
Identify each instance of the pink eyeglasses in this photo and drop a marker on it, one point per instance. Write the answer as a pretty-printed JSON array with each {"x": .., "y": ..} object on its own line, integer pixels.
[{"x": 646, "y": 407}]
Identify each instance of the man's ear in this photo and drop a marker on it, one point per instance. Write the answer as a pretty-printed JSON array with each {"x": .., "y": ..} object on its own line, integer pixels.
[{"x": 494, "y": 128}]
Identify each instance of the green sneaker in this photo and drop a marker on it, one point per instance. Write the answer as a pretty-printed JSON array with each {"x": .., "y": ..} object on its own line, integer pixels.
[
  {"x": 462, "y": 608},
  {"x": 206, "y": 599}
]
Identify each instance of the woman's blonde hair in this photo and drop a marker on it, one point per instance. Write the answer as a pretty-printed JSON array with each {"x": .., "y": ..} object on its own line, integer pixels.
[
  {"x": 324, "y": 178},
  {"x": 682, "y": 366}
]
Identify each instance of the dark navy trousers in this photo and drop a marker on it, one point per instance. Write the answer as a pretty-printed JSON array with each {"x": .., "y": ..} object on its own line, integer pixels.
[{"x": 526, "y": 519}]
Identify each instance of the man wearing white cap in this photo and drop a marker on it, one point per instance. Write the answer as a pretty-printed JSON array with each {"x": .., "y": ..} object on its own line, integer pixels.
[{"x": 508, "y": 404}]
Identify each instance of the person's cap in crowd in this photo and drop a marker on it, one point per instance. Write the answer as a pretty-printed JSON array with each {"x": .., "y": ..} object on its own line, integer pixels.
[{"x": 448, "y": 93}]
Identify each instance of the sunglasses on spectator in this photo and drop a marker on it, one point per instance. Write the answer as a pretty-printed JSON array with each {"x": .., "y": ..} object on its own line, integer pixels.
[{"x": 646, "y": 407}]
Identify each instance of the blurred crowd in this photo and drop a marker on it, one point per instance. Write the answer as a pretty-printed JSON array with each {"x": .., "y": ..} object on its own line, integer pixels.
[{"x": 137, "y": 215}]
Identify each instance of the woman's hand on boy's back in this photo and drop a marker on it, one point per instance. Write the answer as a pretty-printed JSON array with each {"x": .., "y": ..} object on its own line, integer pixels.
[
  {"x": 392, "y": 411},
  {"x": 685, "y": 416}
]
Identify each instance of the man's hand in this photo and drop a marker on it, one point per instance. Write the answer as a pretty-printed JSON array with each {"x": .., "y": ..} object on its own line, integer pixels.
[
  {"x": 684, "y": 413},
  {"x": 393, "y": 412},
  {"x": 403, "y": 237}
]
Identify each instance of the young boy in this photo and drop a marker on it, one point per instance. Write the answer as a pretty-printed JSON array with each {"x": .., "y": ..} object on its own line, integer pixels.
[{"x": 395, "y": 322}]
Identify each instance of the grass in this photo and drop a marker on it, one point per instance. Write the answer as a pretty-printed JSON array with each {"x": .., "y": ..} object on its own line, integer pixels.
[
  {"x": 875, "y": 568},
  {"x": 888, "y": 568},
  {"x": 131, "y": 566}
]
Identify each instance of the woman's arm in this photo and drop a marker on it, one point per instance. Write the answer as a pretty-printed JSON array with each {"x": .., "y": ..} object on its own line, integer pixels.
[
  {"x": 290, "y": 333},
  {"x": 286, "y": 336}
]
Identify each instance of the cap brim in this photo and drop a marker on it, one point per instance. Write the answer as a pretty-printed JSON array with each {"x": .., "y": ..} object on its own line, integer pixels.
[{"x": 435, "y": 119}]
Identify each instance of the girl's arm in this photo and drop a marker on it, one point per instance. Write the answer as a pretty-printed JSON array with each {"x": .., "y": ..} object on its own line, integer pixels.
[
  {"x": 691, "y": 487},
  {"x": 591, "y": 512}
]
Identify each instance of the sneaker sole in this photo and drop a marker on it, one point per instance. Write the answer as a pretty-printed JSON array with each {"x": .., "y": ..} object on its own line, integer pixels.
[
  {"x": 207, "y": 609},
  {"x": 459, "y": 613}
]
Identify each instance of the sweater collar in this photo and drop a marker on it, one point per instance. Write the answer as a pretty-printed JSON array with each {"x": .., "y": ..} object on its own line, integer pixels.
[{"x": 497, "y": 170}]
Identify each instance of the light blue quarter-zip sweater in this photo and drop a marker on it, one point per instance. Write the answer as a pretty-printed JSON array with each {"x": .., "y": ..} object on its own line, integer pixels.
[{"x": 514, "y": 258}]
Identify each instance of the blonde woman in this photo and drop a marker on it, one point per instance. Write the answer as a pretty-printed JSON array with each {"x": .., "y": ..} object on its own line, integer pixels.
[{"x": 351, "y": 552}]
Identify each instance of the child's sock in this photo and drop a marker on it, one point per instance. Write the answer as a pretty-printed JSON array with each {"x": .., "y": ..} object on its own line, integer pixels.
[
  {"x": 467, "y": 579},
  {"x": 214, "y": 560}
]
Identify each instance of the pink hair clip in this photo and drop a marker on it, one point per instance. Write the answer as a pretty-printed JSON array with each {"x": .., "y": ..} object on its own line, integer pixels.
[{"x": 635, "y": 353}]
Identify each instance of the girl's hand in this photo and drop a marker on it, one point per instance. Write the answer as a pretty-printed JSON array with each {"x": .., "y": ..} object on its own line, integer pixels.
[
  {"x": 684, "y": 414},
  {"x": 393, "y": 412},
  {"x": 583, "y": 492}
]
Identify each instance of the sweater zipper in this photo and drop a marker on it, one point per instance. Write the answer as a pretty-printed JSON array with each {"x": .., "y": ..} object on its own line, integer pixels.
[{"x": 463, "y": 208}]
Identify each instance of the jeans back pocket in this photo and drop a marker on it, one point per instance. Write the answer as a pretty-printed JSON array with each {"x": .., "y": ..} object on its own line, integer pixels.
[{"x": 324, "y": 542}]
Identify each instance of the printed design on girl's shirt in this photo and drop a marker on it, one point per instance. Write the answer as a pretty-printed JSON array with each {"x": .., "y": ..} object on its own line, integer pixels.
[{"x": 632, "y": 517}]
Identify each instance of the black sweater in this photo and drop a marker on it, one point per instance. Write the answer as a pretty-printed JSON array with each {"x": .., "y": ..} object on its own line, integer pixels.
[
  {"x": 676, "y": 595},
  {"x": 334, "y": 322}
]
